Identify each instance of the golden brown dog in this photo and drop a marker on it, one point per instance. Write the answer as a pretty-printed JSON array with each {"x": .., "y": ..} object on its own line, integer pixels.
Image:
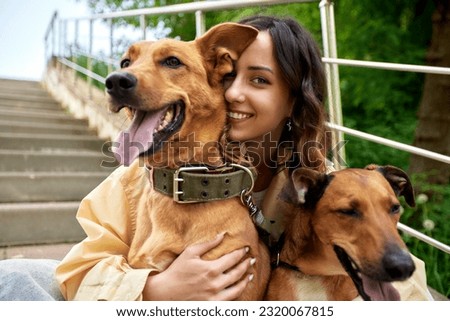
[
  {"x": 341, "y": 237},
  {"x": 175, "y": 94}
]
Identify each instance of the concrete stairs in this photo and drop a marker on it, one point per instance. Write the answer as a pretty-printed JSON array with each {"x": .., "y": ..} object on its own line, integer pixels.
[{"x": 48, "y": 162}]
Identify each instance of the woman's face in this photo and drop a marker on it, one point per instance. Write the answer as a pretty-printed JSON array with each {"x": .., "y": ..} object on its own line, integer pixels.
[{"x": 258, "y": 97}]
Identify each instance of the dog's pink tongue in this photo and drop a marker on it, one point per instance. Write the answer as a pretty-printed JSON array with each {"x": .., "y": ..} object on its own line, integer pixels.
[
  {"x": 137, "y": 139},
  {"x": 379, "y": 291}
]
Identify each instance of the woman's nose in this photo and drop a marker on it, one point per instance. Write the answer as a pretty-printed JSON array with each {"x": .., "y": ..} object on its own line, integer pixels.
[{"x": 234, "y": 94}]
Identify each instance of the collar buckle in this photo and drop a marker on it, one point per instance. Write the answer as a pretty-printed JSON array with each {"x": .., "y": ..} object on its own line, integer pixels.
[{"x": 177, "y": 192}]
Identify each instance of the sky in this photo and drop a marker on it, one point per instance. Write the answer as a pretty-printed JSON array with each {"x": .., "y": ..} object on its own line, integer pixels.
[{"x": 23, "y": 24}]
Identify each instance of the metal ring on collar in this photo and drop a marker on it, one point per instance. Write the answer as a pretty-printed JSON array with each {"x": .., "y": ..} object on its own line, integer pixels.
[{"x": 249, "y": 172}]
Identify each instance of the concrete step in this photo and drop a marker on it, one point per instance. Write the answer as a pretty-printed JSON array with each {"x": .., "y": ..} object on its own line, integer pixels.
[
  {"x": 39, "y": 223},
  {"x": 20, "y": 95},
  {"x": 8, "y": 104},
  {"x": 55, "y": 251},
  {"x": 47, "y": 186},
  {"x": 40, "y": 116},
  {"x": 23, "y": 127},
  {"x": 46, "y": 142},
  {"x": 56, "y": 161},
  {"x": 15, "y": 84}
]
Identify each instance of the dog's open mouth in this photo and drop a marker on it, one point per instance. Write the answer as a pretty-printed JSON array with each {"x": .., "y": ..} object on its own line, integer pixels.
[
  {"x": 148, "y": 131},
  {"x": 368, "y": 288}
]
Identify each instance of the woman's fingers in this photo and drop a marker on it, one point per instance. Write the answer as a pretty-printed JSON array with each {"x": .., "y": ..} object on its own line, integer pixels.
[
  {"x": 229, "y": 260},
  {"x": 224, "y": 278},
  {"x": 234, "y": 291}
]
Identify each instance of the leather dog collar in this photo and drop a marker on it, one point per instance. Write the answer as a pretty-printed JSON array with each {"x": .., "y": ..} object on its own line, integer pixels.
[{"x": 192, "y": 184}]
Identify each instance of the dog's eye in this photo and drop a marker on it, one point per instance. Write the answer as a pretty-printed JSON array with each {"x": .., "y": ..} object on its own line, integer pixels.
[
  {"x": 349, "y": 212},
  {"x": 172, "y": 62},
  {"x": 125, "y": 63},
  {"x": 395, "y": 209}
]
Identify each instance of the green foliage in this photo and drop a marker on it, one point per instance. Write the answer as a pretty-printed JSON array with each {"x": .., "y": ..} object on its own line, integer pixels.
[
  {"x": 380, "y": 102},
  {"x": 431, "y": 217},
  {"x": 181, "y": 25}
]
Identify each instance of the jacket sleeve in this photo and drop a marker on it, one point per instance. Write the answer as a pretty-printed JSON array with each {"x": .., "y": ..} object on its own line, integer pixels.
[{"x": 97, "y": 268}]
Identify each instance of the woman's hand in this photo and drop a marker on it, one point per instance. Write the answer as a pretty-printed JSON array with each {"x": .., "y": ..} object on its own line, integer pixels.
[{"x": 191, "y": 278}]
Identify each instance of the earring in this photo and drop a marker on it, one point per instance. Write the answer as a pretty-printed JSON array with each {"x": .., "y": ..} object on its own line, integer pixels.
[{"x": 289, "y": 124}]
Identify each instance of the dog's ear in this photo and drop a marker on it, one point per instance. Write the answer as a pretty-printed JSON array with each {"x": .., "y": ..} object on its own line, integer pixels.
[
  {"x": 222, "y": 45},
  {"x": 398, "y": 180},
  {"x": 305, "y": 187}
]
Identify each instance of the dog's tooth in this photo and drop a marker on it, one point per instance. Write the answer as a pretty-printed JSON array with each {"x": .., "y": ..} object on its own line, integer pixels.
[{"x": 169, "y": 115}]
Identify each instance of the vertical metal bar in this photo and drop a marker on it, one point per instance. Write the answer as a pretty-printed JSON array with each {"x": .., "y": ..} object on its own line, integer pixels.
[
  {"x": 64, "y": 39},
  {"x": 75, "y": 48},
  {"x": 76, "y": 33},
  {"x": 199, "y": 23},
  {"x": 89, "y": 59},
  {"x": 111, "y": 44},
  {"x": 54, "y": 34},
  {"x": 143, "y": 26},
  {"x": 60, "y": 37},
  {"x": 332, "y": 74}
]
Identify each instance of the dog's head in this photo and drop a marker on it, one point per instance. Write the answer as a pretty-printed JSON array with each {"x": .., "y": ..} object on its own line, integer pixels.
[
  {"x": 354, "y": 212},
  {"x": 175, "y": 94}
]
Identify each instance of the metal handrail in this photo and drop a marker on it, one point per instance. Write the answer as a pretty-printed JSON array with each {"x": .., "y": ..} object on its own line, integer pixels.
[
  {"x": 425, "y": 238},
  {"x": 83, "y": 70},
  {"x": 388, "y": 66},
  {"x": 189, "y": 8},
  {"x": 390, "y": 143}
]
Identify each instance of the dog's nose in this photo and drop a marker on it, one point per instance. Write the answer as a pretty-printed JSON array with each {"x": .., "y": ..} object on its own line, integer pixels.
[
  {"x": 398, "y": 264},
  {"x": 120, "y": 83}
]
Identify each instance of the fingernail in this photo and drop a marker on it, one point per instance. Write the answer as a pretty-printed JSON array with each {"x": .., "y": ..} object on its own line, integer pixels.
[
  {"x": 250, "y": 277},
  {"x": 220, "y": 234},
  {"x": 246, "y": 249},
  {"x": 252, "y": 261}
]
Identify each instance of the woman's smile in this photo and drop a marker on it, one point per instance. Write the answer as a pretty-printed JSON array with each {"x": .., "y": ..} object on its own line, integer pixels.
[{"x": 237, "y": 116}]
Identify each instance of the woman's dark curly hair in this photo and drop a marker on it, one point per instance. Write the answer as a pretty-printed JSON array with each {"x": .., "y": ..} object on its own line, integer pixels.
[{"x": 300, "y": 61}]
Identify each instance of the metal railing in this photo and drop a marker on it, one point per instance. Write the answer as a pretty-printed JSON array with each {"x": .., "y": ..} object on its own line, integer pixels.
[{"x": 330, "y": 59}]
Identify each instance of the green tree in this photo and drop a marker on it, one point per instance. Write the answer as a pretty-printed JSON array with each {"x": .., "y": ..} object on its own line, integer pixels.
[
  {"x": 433, "y": 130},
  {"x": 181, "y": 25}
]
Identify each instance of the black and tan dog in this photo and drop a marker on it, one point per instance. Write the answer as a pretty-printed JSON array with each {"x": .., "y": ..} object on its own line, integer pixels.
[
  {"x": 341, "y": 238},
  {"x": 174, "y": 92}
]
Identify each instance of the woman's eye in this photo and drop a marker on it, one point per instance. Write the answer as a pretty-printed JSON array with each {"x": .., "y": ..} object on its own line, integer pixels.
[
  {"x": 125, "y": 63},
  {"x": 172, "y": 62},
  {"x": 259, "y": 81}
]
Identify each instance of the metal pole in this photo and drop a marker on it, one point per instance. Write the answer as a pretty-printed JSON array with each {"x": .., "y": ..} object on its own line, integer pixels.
[
  {"x": 111, "y": 40},
  {"x": 143, "y": 26},
  {"x": 75, "y": 47},
  {"x": 89, "y": 59},
  {"x": 332, "y": 75},
  {"x": 199, "y": 23}
]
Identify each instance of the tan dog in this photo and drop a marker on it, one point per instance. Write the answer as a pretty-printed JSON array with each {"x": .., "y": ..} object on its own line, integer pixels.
[
  {"x": 175, "y": 94},
  {"x": 341, "y": 237}
]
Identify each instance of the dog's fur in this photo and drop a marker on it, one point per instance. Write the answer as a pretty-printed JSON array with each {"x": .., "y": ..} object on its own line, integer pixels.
[
  {"x": 189, "y": 74},
  {"x": 354, "y": 209}
]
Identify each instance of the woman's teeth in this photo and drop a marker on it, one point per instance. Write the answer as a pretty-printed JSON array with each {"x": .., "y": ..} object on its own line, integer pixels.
[{"x": 237, "y": 115}]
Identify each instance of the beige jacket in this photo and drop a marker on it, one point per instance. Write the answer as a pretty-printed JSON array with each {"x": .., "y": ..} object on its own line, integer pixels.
[{"x": 97, "y": 268}]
